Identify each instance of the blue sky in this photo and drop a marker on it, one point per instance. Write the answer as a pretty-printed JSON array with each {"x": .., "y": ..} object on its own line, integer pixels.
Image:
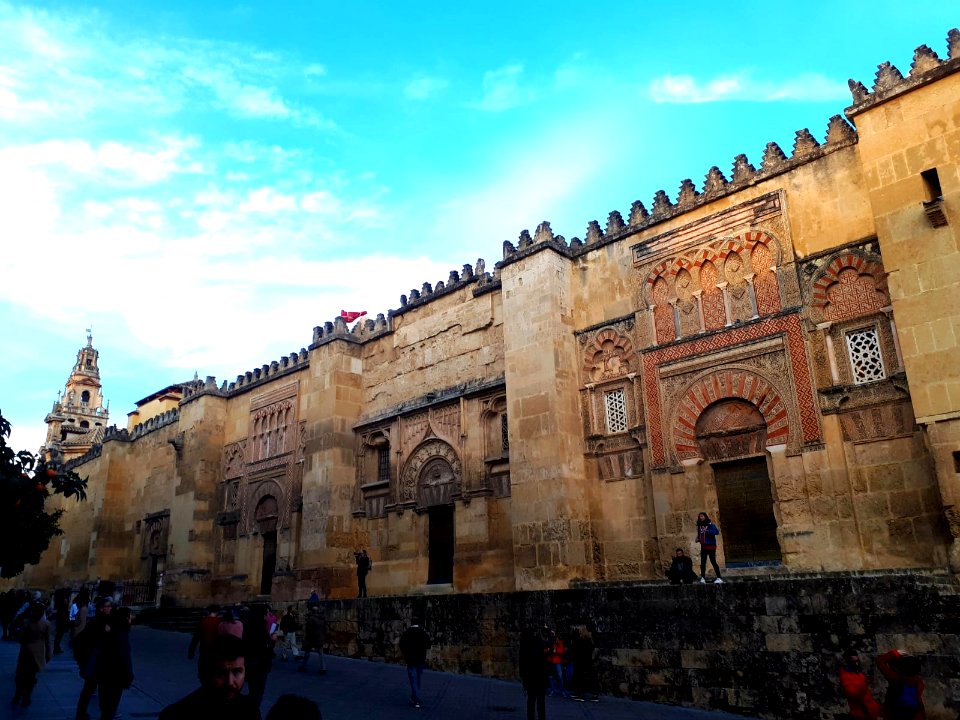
[{"x": 205, "y": 182}]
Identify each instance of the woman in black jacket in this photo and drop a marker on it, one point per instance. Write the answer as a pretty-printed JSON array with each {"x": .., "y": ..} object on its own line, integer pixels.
[{"x": 534, "y": 671}]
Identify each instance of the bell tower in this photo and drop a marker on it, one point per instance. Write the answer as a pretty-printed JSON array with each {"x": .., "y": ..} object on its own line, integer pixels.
[{"x": 78, "y": 418}]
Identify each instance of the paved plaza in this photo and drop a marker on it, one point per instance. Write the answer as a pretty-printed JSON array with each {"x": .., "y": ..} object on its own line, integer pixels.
[{"x": 350, "y": 689}]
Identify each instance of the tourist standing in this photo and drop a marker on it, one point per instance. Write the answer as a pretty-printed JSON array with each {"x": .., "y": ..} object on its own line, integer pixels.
[
  {"x": 414, "y": 644},
  {"x": 114, "y": 664},
  {"x": 258, "y": 651},
  {"x": 535, "y": 671},
  {"x": 707, "y": 539},
  {"x": 34, "y": 653},
  {"x": 681, "y": 569},
  {"x": 904, "y": 698},
  {"x": 86, "y": 651},
  {"x": 856, "y": 688},
  {"x": 556, "y": 659},
  {"x": 230, "y": 625},
  {"x": 584, "y": 682},
  {"x": 219, "y": 694},
  {"x": 61, "y": 615},
  {"x": 288, "y": 634},
  {"x": 78, "y": 614},
  {"x": 314, "y": 635},
  {"x": 203, "y": 636},
  {"x": 364, "y": 566}
]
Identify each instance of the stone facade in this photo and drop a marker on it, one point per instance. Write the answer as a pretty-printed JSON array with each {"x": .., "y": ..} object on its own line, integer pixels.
[{"x": 778, "y": 349}]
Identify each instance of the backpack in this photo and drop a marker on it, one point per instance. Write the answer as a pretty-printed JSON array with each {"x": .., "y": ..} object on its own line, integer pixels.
[{"x": 907, "y": 702}]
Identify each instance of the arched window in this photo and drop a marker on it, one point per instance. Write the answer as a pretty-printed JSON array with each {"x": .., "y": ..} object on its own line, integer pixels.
[
  {"x": 85, "y": 397},
  {"x": 84, "y": 424},
  {"x": 663, "y": 312},
  {"x": 765, "y": 281},
  {"x": 853, "y": 295},
  {"x": 714, "y": 313}
]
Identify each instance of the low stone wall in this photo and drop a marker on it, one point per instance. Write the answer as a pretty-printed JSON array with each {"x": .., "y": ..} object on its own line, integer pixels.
[{"x": 762, "y": 647}]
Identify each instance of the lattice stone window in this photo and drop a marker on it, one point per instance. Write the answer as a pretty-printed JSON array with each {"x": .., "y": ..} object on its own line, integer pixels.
[
  {"x": 866, "y": 359},
  {"x": 616, "y": 405},
  {"x": 504, "y": 435}
]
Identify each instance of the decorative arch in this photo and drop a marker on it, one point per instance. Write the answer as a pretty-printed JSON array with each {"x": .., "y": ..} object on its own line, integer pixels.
[
  {"x": 765, "y": 284},
  {"x": 726, "y": 384},
  {"x": 266, "y": 514},
  {"x": 663, "y": 312},
  {"x": 711, "y": 299},
  {"x": 849, "y": 286},
  {"x": 432, "y": 475},
  {"x": 608, "y": 355},
  {"x": 266, "y": 488}
]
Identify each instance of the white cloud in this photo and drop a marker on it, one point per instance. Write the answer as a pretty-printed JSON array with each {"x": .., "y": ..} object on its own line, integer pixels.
[
  {"x": 742, "y": 87},
  {"x": 268, "y": 201},
  {"x": 502, "y": 90},
  {"x": 424, "y": 88},
  {"x": 315, "y": 70},
  {"x": 148, "y": 164}
]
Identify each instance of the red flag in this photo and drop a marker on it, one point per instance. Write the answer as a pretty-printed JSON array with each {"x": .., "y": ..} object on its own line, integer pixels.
[{"x": 350, "y": 316}]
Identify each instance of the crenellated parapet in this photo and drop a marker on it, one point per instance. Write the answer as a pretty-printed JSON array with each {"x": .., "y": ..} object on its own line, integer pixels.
[
  {"x": 743, "y": 174},
  {"x": 544, "y": 237},
  {"x": 468, "y": 275},
  {"x": 889, "y": 82},
  {"x": 338, "y": 329},
  {"x": 294, "y": 362},
  {"x": 153, "y": 424},
  {"x": 115, "y": 434}
]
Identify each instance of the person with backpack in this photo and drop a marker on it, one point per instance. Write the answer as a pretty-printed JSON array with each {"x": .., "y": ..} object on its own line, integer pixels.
[
  {"x": 904, "y": 699},
  {"x": 707, "y": 533}
]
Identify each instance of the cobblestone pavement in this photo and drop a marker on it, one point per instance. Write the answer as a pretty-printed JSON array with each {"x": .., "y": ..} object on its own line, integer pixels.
[{"x": 350, "y": 689}]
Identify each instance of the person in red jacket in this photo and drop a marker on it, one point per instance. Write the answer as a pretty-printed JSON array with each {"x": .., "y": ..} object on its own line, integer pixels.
[
  {"x": 904, "y": 699},
  {"x": 856, "y": 688}
]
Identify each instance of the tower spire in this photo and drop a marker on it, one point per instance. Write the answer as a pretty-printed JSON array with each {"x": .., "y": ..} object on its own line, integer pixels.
[{"x": 79, "y": 416}]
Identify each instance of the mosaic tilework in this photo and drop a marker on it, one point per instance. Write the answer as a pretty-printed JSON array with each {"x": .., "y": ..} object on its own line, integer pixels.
[{"x": 850, "y": 286}]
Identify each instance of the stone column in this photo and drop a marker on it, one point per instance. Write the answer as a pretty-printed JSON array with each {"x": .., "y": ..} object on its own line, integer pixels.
[
  {"x": 753, "y": 294},
  {"x": 831, "y": 355},
  {"x": 726, "y": 302},
  {"x": 552, "y": 533}
]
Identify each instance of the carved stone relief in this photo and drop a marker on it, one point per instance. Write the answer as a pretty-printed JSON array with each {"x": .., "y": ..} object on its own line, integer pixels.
[{"x": 432, "y": 474}]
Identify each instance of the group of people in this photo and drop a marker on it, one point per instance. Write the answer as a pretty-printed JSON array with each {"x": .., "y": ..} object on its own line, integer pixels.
[
  {"x": 904, "y": 696},
  {"x": 100, "y": 639},
  {"x": 681, "y": 567},
  {"x": 550, "y": 665},
  {"x": 235, "y": 646}
]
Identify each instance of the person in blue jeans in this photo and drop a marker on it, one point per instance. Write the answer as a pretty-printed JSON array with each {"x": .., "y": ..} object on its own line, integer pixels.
[
  {"x": 414, "y": 644},
  {"x": 707, "y": 538}
]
